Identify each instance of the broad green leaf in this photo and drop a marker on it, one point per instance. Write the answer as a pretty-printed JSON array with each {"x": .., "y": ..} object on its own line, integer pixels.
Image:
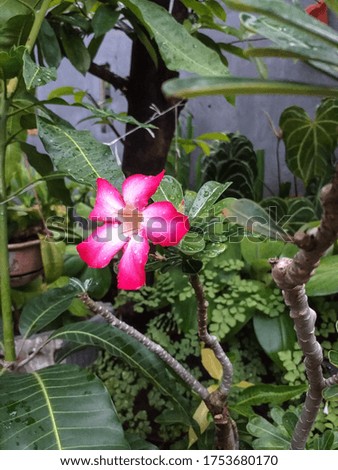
[
  {"x": 325, "y": 441},
  {"x": 100, "y": 281},
  {"x": 15, "y": 27},
  {"x": 43, "y": 309},
  {"x": 269, "y": 436},
  {"x": 75, "y": 49},
  {"x": 58, "y": 408},
  {"x": 43, "y": 165},
  {"x": 179, "y": 50},
  {"x": 193, "y": 87},
  {"x": 49, "y": 45},
  {"x": 253, "y": 249},
  {"x": 11, "y": 62},
  {"x": 287, "y": 14},
  {"x": 137, "y": 443},
  {"x": 310, "y": 143},
  {"x": 170, "y": 190},
  {"x": 104, "y": 19},
  {"x": 52, "y": 254},
  {"x": 272, "y": 394},
  {"x": 35, "y": 75},
  {"x": 209, "y": 193},
  {"x": 331, "y": 393},
  {"x": 128, "y": 349},
  {"x": 254, "y": 218},
  {"x": 325, "y": 279},
  {"x": 291, "y": 39},
  {"x": 192, "y": 243},
  {"x": 289, "y": 421},
  {"x": 274, "y": 334},
  {"x": 79, "y": 154},
  {"x": 333, "y": 357}
]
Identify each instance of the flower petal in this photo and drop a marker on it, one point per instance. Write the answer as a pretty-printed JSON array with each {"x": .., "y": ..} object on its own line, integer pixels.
[
  {"x": 108, "y": 201},
  {"x": 164, "y": 225},
  {"x": 138, "y": 189},
  {"x": 101, "y": 246},
  {"x": 131, "y": 269}
]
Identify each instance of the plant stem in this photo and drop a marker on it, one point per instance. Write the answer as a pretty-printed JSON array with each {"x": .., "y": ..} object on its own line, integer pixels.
[
  {"x": 290, "y": 276},
  {"x": 39, "y": 17},
  {"x": 226, "y": 435},
  {"x": 185, "y": 375},
  {"x": 5, "y": 289}
]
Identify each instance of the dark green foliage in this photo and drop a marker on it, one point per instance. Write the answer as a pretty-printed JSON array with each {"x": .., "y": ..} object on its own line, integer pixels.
[{"x": 234, "y": 161}]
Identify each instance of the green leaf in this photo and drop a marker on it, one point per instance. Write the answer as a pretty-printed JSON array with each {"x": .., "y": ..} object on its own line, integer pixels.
[
  {"x": 49, "y": 45},
  {"x": 298, "y": 43},
  {"x": 269, "y": 436},
  {"x": 100, "y": 281},
  {"x": 43, "y": 309},
  {"x": 61, "y": 407},
  {"x": 137, "y": 443},
  {"x": 79, "y": 154},
  {"x": 325, "y": 279},
  {"x": 192, "y": 243},
  {"x": 274, "y": 334},
  {"x": 253, "y": 249},
  {"x": 11, "y": 62},
  {"x": 52, "y": 254},
  {"x": 104, "y": 20},
  {"x": 333, "y": 4},
  {"x": 179, "y": 50},
  {"x": 272, "y": 394},
  {"x": 35, "y": 75},
  {"x": 43, "y": 165},
  {"x": 324, "y": 442},
  {"x": 287, "y": 14},
  {"x": 75, "y": 49},
  {"x": 193, "y": 87},
  {"x": 209, "y": 193},
  {"x": 169, "y": 190},
  {"x": 310, "y": 143},
  {"x": 331, "y": 393},
  {"x": 122, "y": 346},
  {"x": 254, "y": 218},
  {"x": 333, "y": 357},
  {"x": 289, "y": 422}
]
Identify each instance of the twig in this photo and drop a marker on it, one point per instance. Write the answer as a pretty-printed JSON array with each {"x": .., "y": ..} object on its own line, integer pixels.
[
  {"x": 290, "y": 275},
  {"x": 149, "y": 344},
  {"x": 226, "y": 436},
  {"x": 330, "y": 381},
  {"x": 101, "y": 71}
]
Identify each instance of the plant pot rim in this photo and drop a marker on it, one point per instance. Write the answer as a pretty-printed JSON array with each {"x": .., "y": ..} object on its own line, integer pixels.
[{"x": 22, "y": 245}]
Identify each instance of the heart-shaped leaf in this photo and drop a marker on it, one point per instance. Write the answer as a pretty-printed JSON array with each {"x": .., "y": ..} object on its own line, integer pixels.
[
  {"x": 61, "y": 407},
  {"x": 310, "y": 143}
]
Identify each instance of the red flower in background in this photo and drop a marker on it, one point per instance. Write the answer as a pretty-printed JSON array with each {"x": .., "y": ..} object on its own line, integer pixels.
[{"x": 319, "y": 11}]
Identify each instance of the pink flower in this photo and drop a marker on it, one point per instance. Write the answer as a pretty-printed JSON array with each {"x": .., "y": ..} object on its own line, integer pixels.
[{"x": 129, "y": 222}]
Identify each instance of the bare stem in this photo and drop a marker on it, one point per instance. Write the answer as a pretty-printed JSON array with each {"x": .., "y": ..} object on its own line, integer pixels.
[
  {"x": 185, "y": 375},
  {"x": 226, "y": 436},
  {"x": 290, "y": 275}
]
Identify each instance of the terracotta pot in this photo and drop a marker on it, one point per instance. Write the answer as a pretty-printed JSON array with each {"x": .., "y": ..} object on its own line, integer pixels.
[{"x": 25, "y": 262}]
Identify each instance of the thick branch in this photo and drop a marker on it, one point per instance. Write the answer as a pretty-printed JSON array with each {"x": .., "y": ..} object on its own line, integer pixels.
[
  {"x": 313, "y": 246},
  {"x": 290, "y": 275},
  {"x": 226, "y": 436},
  {"x": 195, "y": 385},
  {"x": 101, "y": 71}
]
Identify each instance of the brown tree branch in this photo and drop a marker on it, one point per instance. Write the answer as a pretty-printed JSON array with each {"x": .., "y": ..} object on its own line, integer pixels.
[
  {"x": 290, "y": 276},
  {"x": 101, "y": 71},
  {"x": 185, "y": 375},
  {"x": 226, "y": 436}
]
